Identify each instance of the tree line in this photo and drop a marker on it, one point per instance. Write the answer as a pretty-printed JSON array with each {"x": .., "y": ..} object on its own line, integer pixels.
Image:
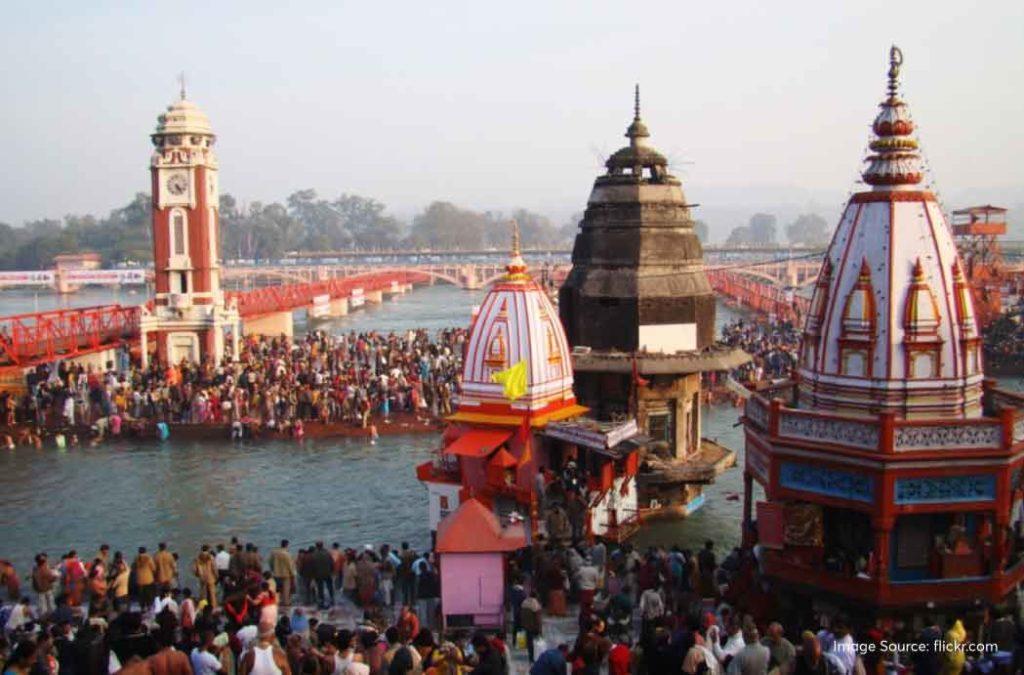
[
  {"x": 808, "y": 229},
  {"x": 307, "y": 222},
  {"x": 262, "y": 231}
]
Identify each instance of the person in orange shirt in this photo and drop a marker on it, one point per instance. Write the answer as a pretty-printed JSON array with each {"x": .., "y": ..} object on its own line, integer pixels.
[
  {"x": 145, "y": 569},
  {"x": 166, "y": 567}
]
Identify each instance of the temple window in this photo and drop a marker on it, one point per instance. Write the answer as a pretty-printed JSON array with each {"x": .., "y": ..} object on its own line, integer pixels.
[
  {"x": 854, "y": 363},
  {"x": 922, "y": 366},
  {"x": 178, "y": 233}
]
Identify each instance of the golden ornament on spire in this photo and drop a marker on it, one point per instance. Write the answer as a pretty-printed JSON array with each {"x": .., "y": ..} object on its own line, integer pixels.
[{"x": 516, "y": 267}]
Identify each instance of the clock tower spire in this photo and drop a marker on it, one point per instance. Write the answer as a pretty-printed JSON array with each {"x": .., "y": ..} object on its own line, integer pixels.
[{"x": 189, "y": 316}]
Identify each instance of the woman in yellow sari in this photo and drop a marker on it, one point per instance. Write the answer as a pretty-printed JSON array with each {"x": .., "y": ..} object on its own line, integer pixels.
[{"x": 953, "y": 655}]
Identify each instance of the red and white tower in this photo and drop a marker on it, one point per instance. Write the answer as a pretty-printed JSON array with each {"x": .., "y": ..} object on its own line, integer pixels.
[{"x": 189, "y": 317}]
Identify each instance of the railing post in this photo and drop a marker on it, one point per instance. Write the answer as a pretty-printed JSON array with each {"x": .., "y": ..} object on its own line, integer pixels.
[
  {"x": 774, "y": 411},
  {"x": 887, "y": 432},
  {"x": 1007, "y": 416}
]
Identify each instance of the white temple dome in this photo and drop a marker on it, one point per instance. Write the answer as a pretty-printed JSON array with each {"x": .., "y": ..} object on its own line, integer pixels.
[
  {"x": 183, "y": 117},
  {"x": 892, "y": 325},
  {"x": 517, "y": 323}
]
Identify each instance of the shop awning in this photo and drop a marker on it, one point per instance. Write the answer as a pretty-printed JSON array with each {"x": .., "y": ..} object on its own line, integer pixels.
[{"x": 478, "y": 442}]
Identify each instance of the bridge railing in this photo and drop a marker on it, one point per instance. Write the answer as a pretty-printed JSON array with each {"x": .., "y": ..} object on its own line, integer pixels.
[
  {"x": 45, "y": 336},
  {"x": 288, "y": 297},
  {"x": 759, "y": 296}
]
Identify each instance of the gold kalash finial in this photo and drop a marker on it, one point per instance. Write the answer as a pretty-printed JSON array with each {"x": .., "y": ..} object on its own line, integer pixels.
[
  {"x": 516, "y": 267},
  {"x": 895, "y": 61}
]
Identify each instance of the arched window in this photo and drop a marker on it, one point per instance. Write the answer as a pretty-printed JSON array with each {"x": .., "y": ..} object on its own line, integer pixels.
[
  {"x": 179, "y": 226},
  {"x": 213, "y": 235}
]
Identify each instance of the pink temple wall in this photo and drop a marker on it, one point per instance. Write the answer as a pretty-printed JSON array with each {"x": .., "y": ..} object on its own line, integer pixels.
[{"x": 473, "y": 583}]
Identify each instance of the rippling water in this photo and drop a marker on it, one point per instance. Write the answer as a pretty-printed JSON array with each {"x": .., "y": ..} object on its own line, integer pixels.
[{"x": 131, "y": 494}]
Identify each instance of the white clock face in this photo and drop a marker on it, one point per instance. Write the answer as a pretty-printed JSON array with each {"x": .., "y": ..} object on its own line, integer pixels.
[{"x": 177, "y": 184}]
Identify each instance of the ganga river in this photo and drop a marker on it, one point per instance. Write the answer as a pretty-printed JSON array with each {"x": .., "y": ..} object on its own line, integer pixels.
[{"x": 131, "y": 494}]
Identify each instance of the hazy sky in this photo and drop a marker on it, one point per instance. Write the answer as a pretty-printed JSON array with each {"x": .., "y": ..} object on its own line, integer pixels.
[{"x": 496, "y": 105}]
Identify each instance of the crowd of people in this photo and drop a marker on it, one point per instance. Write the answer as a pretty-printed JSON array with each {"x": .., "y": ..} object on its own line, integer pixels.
[
  {"x": 772, "y": 346},
  {"x": 230, "y": 610},
  {"x": 277, "y": 385},
  {"x": 1003, "y": 342},
  {"x": 572, "y": 607}
]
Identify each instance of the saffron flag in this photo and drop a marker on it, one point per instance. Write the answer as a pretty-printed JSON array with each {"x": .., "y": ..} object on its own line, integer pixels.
[{"x": 513, "y": 379}]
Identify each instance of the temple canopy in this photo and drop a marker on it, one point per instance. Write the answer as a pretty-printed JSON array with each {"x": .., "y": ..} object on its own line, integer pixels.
[{"x": 473, "y": 528}]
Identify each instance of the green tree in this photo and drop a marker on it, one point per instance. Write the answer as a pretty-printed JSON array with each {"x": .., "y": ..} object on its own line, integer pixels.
[
  {"x": 364, "y": 219},
  {"x": 442, "y": 225},
  {"x": 324, "y": 227},
  {"x": 810, "y": 229}
]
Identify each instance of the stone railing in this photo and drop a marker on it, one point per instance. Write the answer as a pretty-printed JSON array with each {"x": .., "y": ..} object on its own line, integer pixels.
[
  {"x": 885, "y": 433},
  {"x": 974, "y": 434},
  {"x": 808, "y": 426},
  {"x": 756, "y": 410}
]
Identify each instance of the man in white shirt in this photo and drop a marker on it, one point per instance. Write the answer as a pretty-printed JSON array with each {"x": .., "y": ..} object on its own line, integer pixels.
[
  {"x": 21, "y": 614},
  {"x": 733, "y": 643},
  {"x": 204, "y": 657},
  {"x": 222, "y": 561},
  {"x": 165, "y": 601}
]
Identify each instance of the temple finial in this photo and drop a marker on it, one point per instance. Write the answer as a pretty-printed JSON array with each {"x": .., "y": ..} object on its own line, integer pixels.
[
  {"x": 181, "y": 83},
  {"x": 895, "y": 61},
  {"x": 636, "y": 101},
  {"x": 516, "y": 267}
]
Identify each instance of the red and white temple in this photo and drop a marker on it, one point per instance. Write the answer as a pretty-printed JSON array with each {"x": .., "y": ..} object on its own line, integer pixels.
[
  {"x": 523, "y": 456},
  {"x": 891, "y": 471},
  {"x": 189, "y": 318}
]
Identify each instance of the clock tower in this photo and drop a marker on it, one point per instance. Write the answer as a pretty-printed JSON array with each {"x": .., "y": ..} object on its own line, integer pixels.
[{"x": 189, "y": 317}]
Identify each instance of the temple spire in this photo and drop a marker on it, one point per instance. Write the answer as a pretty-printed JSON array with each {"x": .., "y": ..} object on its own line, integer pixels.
[
  {"x": 181, "y": 84},
  {"x": 895, "y": 61},
  {"x": 895, "y": 162},
  {"x": 637, "y": 130},
  {"x": 516, "y": 267}
]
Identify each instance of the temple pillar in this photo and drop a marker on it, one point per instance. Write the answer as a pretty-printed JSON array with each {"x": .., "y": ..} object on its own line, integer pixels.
[
  {"x": 748, "y": 502},
  {"x": 338, "y": 307},
  {"x": 271, "y": 325},
  {"x": 1000, "y": 524},
  {"x": 881, "y": 529},
  {"x": 144, "y": 349}
]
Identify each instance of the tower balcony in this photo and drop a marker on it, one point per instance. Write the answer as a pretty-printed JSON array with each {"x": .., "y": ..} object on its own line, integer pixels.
[
  {"x": 998, "y": 430},
  {"x": 884, "y": 511}
]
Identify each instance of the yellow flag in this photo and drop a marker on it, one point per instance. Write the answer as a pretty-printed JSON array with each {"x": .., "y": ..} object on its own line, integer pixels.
[{"x": 514, "y": 380}]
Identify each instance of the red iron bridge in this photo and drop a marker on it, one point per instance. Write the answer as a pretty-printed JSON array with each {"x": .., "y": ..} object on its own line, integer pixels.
[{"x": 27, "y": 340}]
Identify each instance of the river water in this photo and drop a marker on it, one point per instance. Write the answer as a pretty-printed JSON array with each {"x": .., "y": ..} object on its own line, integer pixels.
[{"x": 346, "y": 490}]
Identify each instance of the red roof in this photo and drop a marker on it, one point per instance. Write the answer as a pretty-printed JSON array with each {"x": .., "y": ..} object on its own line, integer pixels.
[
  {"x": 478, "y": 442},
  {"x": 474, "y": 528},
  {"x": 503, "y": 459}
]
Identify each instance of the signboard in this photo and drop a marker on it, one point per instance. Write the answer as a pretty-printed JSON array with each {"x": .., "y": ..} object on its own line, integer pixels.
[
  {"x": 128, "y": 276},
  {"x": 592, "y": 437},
  {"x": 27, "y": 278},
  {"x": 771, "y": 525},
  {"x": 320, "y": 307}
]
